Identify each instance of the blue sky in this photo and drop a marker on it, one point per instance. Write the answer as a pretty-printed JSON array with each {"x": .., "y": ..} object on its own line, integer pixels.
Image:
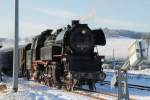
[{"x": 38, "y": 15}]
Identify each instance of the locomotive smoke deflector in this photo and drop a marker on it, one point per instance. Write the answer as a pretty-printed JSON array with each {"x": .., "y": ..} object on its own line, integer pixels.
[{"x": 99, "y": 37}]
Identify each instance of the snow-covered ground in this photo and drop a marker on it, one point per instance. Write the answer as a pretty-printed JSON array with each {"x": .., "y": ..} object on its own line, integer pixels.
[
  {"x": 134, "y": 77},
  {"x": 134, "y": 93},
  {"x": 135, "y": 72},
  {"x": 29, "y": 90},
  {"x": 137, "y": 78}
]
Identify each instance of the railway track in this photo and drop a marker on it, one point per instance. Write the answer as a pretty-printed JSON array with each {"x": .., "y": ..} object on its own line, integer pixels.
[
  {"x": 140, "y": 87},
  {"x": 94, "y": 94},
  {"x": 97, "y": 95}
]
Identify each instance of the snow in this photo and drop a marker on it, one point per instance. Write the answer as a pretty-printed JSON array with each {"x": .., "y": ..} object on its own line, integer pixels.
[
  {"x": 136, "y": 72},
  {"x": 134, "y": 93},
  {"x": 29, "y": 90},
  {"x": 139, "y": 72},
  {"x": 134, "y": 77}
]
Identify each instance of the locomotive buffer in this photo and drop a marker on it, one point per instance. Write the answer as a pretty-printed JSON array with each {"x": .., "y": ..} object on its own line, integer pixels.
[{"x": 137, "y": 55}]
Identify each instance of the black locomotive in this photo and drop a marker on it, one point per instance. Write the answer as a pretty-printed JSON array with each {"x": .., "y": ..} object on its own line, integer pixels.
[{"x": 66, "y": 57}]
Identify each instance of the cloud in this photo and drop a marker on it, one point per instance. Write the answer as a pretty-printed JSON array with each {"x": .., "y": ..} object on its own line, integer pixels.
[
  {"x": 6, "y": 29},
  {"x": 33, "y": 26},
  {"x": 119, "y": 23},
  {"x": 57, "y": 13},
  {"x": 68, "y": 14},
  {"x": 29, "y": 28},
  {"x": 90, "y": 16}
]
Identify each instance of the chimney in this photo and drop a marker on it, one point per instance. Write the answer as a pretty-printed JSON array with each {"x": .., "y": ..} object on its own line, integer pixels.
[{"x": 75, "y": 22}]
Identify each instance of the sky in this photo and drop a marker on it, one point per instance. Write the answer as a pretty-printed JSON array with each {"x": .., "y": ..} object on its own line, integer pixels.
[{"x": 36, "y": 16}]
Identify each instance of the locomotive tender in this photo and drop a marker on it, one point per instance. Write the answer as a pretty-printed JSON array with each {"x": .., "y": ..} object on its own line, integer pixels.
[
  {"x": 63, "y": 58},
  {"x": 6, "y": 59}
]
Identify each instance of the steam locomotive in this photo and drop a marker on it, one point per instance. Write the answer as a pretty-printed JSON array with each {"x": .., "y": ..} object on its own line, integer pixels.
[{"x": 66, "y": 57}]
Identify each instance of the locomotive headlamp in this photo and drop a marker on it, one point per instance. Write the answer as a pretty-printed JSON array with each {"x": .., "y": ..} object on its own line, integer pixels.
[
  {"x": 69, "y": 76},
  {"x": 102, "y": 60},
  {"x": 64, "y": 59},
  {"x": 83, "y": 32}
]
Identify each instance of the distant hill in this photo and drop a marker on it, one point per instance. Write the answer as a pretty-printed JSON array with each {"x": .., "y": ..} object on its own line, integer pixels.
[
  {"x": 125, "y": 33},
  {"x": 9, "y": 41},
  {"x": 2, "y": 39}
]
